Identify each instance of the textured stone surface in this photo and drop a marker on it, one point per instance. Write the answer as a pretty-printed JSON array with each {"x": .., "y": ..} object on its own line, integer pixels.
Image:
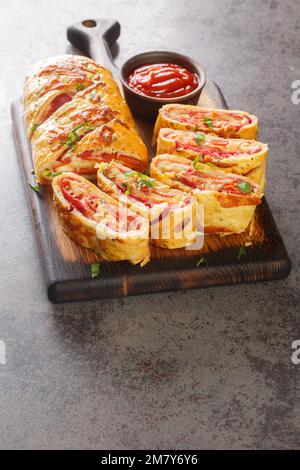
[{"x": 198, "y": 369}]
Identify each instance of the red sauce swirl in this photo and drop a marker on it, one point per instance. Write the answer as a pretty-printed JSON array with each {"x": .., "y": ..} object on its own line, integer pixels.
[{"x": 163, "y": 80}]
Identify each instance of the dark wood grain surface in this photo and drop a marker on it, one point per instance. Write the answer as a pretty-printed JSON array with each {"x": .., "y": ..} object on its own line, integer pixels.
[{"x": 67, "y": 266}]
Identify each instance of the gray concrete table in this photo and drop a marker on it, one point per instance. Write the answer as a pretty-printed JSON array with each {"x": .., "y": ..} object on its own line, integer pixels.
[{"x": 198, "y": 369}]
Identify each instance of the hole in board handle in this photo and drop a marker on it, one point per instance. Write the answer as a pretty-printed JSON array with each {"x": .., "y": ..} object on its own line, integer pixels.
[{"x": 89, "y": 23}]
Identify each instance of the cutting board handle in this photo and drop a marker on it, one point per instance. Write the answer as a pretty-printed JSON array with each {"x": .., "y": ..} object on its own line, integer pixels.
[{"x": 94, "y": 37}]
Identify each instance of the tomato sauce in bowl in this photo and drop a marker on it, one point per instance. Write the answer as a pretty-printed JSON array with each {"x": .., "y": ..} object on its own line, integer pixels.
[
  {"x": 163, "y": 80},
  {"x": 155, "y": 78}
]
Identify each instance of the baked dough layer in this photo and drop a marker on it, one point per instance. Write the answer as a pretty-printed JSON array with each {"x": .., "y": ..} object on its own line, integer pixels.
[
  {"x": 222, "y": 122},
  {"x": 240, "y": 156},
  {"x": 56, "y": 76},
  {"x": 95, "y": 220},
  {"x": 88, "y": 99},
  {"x": 226, "y": 208},
  {"x": 171, "y": 213}
]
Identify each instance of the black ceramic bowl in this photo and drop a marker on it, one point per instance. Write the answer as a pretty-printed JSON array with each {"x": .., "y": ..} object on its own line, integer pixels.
[{"x": 146, "y": 106}]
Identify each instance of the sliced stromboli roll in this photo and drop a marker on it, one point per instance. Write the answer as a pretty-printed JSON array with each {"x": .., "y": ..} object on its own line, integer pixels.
[
  {"x": 95, "y": 220},
  {"x": 240, "y": 156},
  {"x": 55, "y": 81},
  {"x": 171, "y": 213},
  {"x": 222, "y": 122},
  {"x": 60, "y": 134},
  {"x": 62, "y": 143},
  {"x": 112, "y": 141},
  {"x": 57, "y": 131},
  {"x": 229, "y": 200}
]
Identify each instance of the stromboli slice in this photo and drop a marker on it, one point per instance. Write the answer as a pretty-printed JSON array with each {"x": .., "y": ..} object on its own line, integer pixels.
[
  {"x": 171, "y": 213},
  {"x": 112, "y": 141},
  {"x": 59, "y": 126},
  {"x": 240, "y": 156},
  {"x": 222, "y": 122},
  {"x": 55, "y": 81},
  {"x": 74, "y": 138},
  {"x": 61, "y": 132},
  {"x": 229, "y": 200},
  {"x": 95, "y": 220}
]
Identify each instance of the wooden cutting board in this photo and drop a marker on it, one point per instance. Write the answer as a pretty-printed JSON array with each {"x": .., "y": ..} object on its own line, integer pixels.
[{"x": 67, "y": 266}]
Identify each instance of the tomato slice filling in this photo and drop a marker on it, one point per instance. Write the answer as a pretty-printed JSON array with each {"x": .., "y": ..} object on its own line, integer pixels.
[
  {"x": 207, "y": 153},
  {"x": 210, "y": 121},
  {"x": 200, "y": 180},
  {"x": 57, "y": 103},
  {"x": 208, "y": 148},
  {"x": 93, "y": 158},
  {"x": 128, "y": 188},
  {"x": 131, "y": 162},
  {"x": 84, "y": 203},
  {"x": 183, "y": 172},
  {"x": 88, "y": 204},
  {"x": 142, "y": 188}
]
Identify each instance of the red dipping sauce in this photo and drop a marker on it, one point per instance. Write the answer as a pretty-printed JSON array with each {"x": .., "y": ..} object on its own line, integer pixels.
[{"x": 163, "y": 80}]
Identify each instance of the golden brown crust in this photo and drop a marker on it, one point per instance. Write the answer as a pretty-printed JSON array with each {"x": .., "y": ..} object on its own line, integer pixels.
[
  {"x": 74, "y": 225},
  {"x": 97, "y": 101},
  {"x": 241, "y": 156},
  {"x": 116, "y": 141},
  {"x": 107, "y": 93},
  {"x": 56, "y": 137},
  {"x": 224, "y": 212},
  {"x": 132, "y": 245},
  {"x": 172, "y": 223},
  {"x": 79, "y": 228},
  {"x": 52, "y": 77},
  {"x": 167, "y": 118}
]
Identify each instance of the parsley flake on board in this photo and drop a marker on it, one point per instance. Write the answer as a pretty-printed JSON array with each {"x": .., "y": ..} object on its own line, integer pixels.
[
  {"x": 242, "y": 252},
  {"x": 35, "y": 187},
  {"x": 202, "y": 261},
  {"x": 95, "y": 269}
]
